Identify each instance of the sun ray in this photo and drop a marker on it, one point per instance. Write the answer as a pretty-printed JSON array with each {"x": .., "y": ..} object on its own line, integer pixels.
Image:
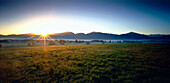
[
  {"x": 47, "y": 38},
  {"x": 44, "y": 37},
  {"x": 39, "y": 38},
  {"x": 50, "y": 37}
]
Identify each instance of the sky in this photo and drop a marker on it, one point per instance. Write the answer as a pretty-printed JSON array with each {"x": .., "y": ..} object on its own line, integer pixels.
[{"x": 84, "y": 16}]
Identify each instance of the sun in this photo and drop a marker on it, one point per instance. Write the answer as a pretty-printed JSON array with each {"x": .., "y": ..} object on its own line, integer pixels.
[{"x": 44, "y": 34}]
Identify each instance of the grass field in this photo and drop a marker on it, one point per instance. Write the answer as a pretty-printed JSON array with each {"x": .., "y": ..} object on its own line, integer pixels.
[{"x": 86, "y": 63}]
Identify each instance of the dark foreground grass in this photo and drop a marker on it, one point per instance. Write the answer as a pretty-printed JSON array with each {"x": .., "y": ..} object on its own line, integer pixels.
[{"x": 86, "y": 63}]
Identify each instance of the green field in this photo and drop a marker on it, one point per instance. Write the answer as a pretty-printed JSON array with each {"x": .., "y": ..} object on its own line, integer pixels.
[{"x": 86, "y": 63}]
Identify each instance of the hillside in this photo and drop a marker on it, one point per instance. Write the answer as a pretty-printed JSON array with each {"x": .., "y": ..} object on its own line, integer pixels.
[{"x": 93, "y": 35}]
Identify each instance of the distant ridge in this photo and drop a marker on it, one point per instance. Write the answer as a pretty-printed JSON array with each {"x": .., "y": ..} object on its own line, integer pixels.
[
  {"x": 133, "y": 35},
  {"x": 92, "y": 35}
]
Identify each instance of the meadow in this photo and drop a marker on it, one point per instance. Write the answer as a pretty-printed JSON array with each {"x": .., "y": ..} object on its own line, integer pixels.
[{"x": 86, "y": 63}]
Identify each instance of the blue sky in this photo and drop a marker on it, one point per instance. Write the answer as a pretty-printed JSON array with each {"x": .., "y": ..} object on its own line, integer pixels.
[{"x": 109, "y": 16}]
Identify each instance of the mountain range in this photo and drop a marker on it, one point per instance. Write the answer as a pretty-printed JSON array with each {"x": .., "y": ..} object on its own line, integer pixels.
[{"x": 92, "y": 35}]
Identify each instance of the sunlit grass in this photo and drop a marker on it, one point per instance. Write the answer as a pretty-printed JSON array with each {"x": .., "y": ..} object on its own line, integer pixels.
[{"x": 86, "y": 63}]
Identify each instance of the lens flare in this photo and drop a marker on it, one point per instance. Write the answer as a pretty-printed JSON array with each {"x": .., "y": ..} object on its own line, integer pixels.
[{"x": 44, "y": 35}]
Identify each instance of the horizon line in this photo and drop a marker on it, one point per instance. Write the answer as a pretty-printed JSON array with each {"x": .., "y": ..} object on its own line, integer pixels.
[{"x": 91, "y": 32}]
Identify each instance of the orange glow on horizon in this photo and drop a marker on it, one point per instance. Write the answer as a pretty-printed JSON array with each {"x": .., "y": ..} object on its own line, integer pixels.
[
  {"x": 44, "y": 35},
  {"x": 50, "y": 23}
]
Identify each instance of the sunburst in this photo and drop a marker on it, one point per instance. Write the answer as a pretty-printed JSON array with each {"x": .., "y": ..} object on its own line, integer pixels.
[{"x": 44, "y": 37}]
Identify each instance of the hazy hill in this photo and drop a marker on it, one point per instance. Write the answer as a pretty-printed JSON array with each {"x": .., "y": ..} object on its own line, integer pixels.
[
  {"x": 93, "y": 35},
  {"x": 166, "y": 37},
  {"x": 99, "y": 35},
  {"x": 133, "y": 35}
]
